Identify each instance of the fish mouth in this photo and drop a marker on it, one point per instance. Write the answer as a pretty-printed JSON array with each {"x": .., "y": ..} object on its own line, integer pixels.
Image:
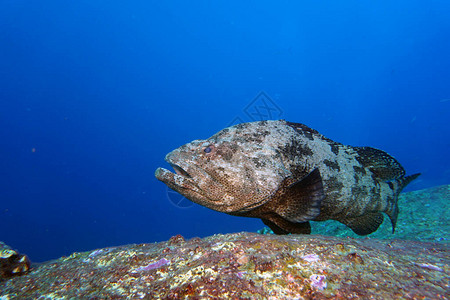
[
  {"x": 179, "y": 170},
  {"x": 180, "y": 177},
  {"x": 180, "y": 180},
  {"x": 190, "y": 180}
]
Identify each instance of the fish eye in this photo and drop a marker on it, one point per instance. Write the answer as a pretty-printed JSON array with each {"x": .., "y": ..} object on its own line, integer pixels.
[{"x": 207, "y": 149}]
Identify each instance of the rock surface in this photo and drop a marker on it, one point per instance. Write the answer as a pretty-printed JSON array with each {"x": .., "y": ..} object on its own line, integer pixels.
[
  {"x": 244, "y": 265},
  {"x": 255, "y": 266}
]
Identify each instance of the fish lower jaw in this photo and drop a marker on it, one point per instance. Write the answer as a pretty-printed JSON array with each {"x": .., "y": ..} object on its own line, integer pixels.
[
  {"x": 176, "y": 181},
  {"x": 161, "y": 174}
]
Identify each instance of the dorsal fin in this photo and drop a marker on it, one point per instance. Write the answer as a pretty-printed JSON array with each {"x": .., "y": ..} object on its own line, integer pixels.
[
  {"x": 309, "y": 132},
  {"x": 383, "y": 165},
  {"x": 300, "y": 201}
]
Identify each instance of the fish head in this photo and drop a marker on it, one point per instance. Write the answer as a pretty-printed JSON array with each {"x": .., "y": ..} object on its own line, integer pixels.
[{"x": 234, "y": 171}]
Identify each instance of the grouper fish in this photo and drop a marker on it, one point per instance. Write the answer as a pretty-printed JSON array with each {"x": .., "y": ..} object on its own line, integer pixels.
[{"x": 288, "y": 174}]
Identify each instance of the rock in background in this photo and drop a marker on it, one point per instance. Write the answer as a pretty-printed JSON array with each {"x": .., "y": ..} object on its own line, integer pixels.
[{"x": 424, "y": 216}]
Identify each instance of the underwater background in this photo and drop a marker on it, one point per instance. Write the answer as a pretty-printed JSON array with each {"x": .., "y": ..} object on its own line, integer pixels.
[{"x": 94, "y": 94}]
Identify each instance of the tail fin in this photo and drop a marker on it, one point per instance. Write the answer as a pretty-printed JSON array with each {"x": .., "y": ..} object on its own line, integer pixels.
[{"x": 401, "y": 183}]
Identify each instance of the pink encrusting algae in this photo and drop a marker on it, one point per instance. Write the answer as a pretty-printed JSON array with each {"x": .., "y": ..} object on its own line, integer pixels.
[
  {"x": 154, "y": 265},
  {"x": 318, "y": 281},
  {"x": 310, "y": 257},
  {"x": 430, "y": 267}
]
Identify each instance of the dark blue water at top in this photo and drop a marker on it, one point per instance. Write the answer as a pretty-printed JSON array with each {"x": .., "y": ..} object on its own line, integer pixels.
[{"x": 93, "y": 94}]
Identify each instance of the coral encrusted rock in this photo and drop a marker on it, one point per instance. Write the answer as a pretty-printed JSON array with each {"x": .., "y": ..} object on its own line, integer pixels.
[{"x": 244, "y": 265}]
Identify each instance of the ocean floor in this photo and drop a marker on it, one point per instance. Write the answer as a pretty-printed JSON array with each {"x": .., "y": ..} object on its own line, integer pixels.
[{"x": 257, "y": 266}]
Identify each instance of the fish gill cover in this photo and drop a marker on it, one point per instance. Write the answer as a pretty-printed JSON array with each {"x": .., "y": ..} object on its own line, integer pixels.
[{"x": 93, "y": 95}]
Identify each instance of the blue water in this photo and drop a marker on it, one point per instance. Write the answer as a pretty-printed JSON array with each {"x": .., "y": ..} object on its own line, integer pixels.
[{"x": 93, "y": 94}]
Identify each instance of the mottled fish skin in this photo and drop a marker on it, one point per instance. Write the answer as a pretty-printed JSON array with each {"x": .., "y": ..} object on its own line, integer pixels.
[{"x": 287, "y": 174}]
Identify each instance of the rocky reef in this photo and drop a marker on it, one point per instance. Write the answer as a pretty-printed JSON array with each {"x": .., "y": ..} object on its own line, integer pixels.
[
  {"x": 424, "y": 216},
  {"x": 256, "y": 266},
  {"x": 12, "y": 263},
  {"x": 244, "y": 265}
]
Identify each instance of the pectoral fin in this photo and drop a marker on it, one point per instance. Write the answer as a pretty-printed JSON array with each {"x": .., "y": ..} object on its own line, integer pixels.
[
  {"x": 300, "y": 201},
  {"x": 292, "y": 205}
]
